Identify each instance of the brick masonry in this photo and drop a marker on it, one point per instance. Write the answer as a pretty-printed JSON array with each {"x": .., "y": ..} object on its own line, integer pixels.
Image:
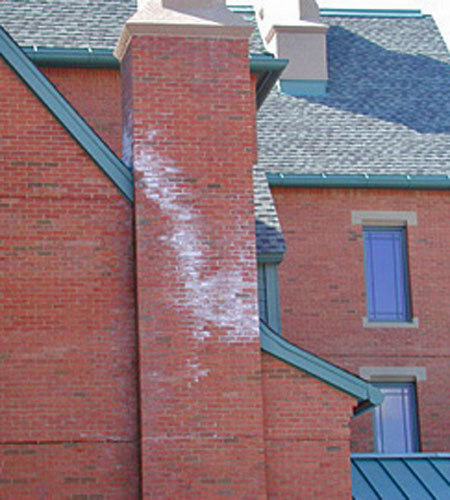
[
  {"x": 67, "y": 285},
  {"x": 191, "y": 137},
  {"x": 323, "y": 293},
  {"x": 307, "y": 435},
  {"x": 68, "y": 356},
  {"x": 96, "y": 95}
]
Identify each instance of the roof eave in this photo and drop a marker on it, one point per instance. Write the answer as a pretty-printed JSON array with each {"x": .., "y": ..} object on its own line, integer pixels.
[
  {"x": 268, "y": 71},
  {"x": 366, "y": 394},
  {"x": 373, "y": 181},
  {"x": 266, "y": 68}
]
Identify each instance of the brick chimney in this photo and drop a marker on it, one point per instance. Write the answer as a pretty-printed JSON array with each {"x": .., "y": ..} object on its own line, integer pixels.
[
  {"x": 189, "y": 119},
  {"x": 296, "y": 33}
]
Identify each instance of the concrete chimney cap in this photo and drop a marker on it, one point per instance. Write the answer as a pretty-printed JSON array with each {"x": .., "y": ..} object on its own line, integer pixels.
[{"x": 186, "y": 18}]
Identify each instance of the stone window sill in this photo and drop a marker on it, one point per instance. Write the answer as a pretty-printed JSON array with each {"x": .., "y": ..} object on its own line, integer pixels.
[{"x": 379, "y": 324}]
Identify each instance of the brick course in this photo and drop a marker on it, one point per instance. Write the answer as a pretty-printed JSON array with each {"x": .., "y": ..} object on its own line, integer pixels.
[
  {"x": 323, "y": 292},
  {"x": 306, "y": 434},
  {"x": 215, "y": 422},
  {"x": 68, "y": 352},
  {"x": 96, "y": 95},
  {"x": 191, "y": 131}
]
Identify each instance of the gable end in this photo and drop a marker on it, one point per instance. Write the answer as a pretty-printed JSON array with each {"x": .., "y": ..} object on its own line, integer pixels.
[{"x": 61, "y": 109}]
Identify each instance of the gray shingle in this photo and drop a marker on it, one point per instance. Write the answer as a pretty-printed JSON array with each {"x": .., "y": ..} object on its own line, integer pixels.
[
  {"x": 387, "y": 109},
  {"x": 77, "y": 23},
  {"x": 268, "y": 230},
  {"x": 66, "y": 23}
]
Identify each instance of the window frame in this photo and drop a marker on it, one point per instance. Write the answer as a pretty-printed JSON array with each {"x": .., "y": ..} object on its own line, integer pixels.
[
  {"x": 388, "y": 219},
  {"x": 412, "y": 441},
  {"x": 406, "y": 296}
]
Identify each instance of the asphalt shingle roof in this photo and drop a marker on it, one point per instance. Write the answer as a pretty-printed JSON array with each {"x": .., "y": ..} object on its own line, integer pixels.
[
  {"x": 66, "y": 23},
  {"x": 77, "y": 23},
  {"x": 387, "y": 110},
  {"x": 269, "y": 239}
]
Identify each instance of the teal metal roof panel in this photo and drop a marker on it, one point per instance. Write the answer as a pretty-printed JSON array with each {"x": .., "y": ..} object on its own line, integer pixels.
[
  {"x": 62, "y": 110},
  {"x": 415, "y": 476}
]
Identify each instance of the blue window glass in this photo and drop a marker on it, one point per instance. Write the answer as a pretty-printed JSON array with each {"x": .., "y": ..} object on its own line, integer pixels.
[
  {"x": 386, "y": 271},
  {"x": 395, "y": 420}
]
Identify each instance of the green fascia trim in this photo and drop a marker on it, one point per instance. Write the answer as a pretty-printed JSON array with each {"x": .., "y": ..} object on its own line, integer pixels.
[
  {"x": 366, "y": 394},
  {"x": 241, "y": 9},
  {"x": 268, "y": 69},
  {"x": 248, "y": 9},
  {"x": 111, "y": 165},
  {"x": 270, "y": 258},
  {"x": 434, "y": 182},
  {"x": 74, "y": 58},
  {"x": 399, "y": 13}
]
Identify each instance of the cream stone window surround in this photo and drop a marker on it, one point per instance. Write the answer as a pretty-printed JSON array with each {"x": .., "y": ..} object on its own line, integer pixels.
[
  {"x": 386, "y": 219},
  {"x": 393, "y": 373}
]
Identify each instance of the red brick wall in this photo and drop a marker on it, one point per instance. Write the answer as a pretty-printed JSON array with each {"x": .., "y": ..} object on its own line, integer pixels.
[
  {"x": 306, "y": 434},
  {"x": 193, "y": 129},
  {"x": 323, "y": 292},
  {"x": 67, "y": 392},
  {"x": 95, "y": 94}
]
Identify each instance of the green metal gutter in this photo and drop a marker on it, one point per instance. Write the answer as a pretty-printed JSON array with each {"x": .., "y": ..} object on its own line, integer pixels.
[
  {"x": 267, "y": 68},
  {"x": 241, "y": 9},
  {"x": 392, "y": 13},
  {"x": 366, "y": 394},
  {"x": 61, "y": 109},
  {"x": 78, "y": 58},
  {"x": 360, "y": 181}
]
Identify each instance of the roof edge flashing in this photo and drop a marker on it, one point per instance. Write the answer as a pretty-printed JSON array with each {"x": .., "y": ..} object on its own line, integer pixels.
[
  {"x": 66, "y": 115},
  {"x": 374, "y": 13},
  {"x": 361, "y": 181},
  {"x": 267, "y": 68},
  {"x": 72, "y": 57},
  {"x": 366, "y": 394}
]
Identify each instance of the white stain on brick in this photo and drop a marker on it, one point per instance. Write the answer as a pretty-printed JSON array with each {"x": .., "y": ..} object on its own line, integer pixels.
[{"x": 218, "y": 301}]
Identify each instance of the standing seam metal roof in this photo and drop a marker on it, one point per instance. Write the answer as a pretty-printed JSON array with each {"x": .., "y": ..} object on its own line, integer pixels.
[{"x": 401, "y": 477}]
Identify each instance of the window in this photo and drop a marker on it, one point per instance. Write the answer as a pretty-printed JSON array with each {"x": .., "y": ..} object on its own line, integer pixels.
[
  {"x": 386, "y": 272},
  {"x": 395, "y": 420},
  {"x": 268, "y": 295}
]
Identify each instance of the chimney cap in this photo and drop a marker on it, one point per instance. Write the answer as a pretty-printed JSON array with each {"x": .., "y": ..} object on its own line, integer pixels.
[{"x": 184, "y": 18}]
